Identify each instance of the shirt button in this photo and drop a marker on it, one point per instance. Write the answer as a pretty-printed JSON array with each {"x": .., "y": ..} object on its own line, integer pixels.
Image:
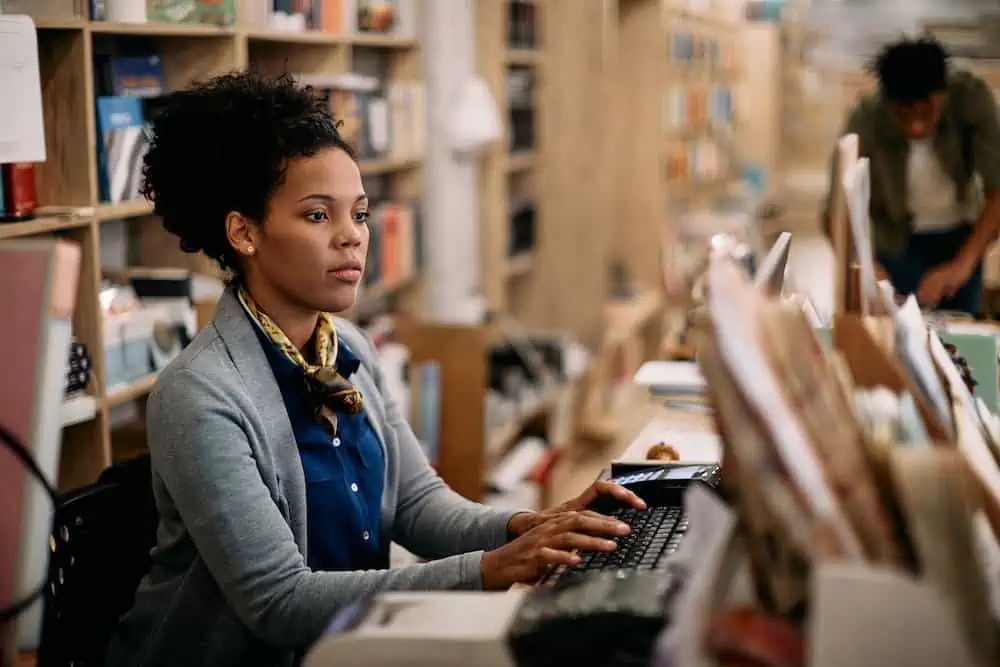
[
  {"x": 336, "y": 442},
  {"x": 354, "y": 487},
  {"x": 365, "y": 536}
]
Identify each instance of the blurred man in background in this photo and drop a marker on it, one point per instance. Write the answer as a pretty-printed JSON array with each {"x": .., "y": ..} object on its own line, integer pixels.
[{"x": 932, "y": 137}]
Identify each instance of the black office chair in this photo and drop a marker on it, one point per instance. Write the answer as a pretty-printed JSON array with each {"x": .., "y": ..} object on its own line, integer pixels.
[{"x": 101, "y": 538}]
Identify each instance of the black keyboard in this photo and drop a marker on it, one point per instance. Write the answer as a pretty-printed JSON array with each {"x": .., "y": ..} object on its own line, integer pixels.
[{"x": 656, "y": 534}]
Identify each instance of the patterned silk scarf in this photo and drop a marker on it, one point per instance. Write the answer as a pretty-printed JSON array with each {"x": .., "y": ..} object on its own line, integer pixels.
[{"x": 331, "y": 392}]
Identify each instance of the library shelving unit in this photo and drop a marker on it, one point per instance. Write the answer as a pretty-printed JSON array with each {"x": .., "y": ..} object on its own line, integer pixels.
[
  {"x": 511, "y": 63},
  {"x": 549, "y": 88},
  {"x": 677, "y": 74},
  {"x": 68, "y": 189}
]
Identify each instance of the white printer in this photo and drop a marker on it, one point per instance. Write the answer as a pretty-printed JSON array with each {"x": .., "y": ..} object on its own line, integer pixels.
[{"x": 417, "y": 629}]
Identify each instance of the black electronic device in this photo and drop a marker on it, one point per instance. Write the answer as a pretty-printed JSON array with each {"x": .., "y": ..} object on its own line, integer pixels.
[
  {"x": 657, "y": 531},
  {"x": 610, "y": 620}
]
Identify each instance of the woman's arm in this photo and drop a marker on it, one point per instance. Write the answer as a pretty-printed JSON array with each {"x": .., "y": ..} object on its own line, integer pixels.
[
  {"x": 432, "y": 520},
  {"x": 201, "y": 452}
]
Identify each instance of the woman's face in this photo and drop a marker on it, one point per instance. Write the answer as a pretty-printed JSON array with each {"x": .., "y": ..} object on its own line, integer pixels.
[{"x": 312, "y": 245}]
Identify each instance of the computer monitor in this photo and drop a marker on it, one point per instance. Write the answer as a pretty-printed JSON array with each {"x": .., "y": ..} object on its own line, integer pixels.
[{"x": 771, "y": 273}]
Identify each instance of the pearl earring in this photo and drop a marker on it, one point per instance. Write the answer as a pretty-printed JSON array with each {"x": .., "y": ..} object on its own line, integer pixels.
[{"x": 251, "y": 250}]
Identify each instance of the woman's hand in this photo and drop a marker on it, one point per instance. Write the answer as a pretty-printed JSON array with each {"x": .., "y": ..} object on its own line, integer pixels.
[
  {"x": 522, "y": 523},
  {"x": 549, "y": 544}
]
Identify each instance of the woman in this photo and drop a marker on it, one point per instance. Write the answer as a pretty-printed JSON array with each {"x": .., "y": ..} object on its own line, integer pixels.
[{"x": 282, "y": 470}]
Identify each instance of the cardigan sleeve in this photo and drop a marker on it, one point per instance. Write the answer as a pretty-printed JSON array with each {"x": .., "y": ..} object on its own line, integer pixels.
[
  {"x": 209, "y": 487},
  {"x": 432, "y": 520}
]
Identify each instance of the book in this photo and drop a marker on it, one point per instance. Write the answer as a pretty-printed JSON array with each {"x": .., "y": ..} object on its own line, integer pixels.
[
  {"x": 212, "y": 12},
  {"x": 121, "y": 146},
  {"x": 39, "y": 296}
]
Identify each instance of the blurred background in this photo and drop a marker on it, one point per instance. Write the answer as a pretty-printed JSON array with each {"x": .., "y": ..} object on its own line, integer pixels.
[{"x": 547, "y": 173}]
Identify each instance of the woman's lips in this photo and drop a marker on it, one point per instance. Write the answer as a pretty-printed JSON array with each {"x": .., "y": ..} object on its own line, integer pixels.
[{"x": 352, "y": 276}]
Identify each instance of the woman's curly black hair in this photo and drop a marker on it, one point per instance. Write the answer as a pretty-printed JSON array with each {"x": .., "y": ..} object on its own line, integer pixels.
[{"x": 224, "y": 145}]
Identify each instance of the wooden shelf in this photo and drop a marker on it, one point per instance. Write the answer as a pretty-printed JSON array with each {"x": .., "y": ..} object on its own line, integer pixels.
[
  {"x": 124, "y": 210},
  {"x": 138, "y": 389},
  {"x": 69, "y": 188},
  {"x": 389, "y": 165},
  {"x": 521, "y": 161},
  {"x": 382, "y": 41},
  {"x": 523, "y": 57},
  {"x": 155, "y": 29},
  {"x": 279, "y": 37},
  {"x": 39, "y": 226},
  {"x": 520, "y": 264},
  {"x": 79, "y": 409},
  {"x": 382, "y": 290}
]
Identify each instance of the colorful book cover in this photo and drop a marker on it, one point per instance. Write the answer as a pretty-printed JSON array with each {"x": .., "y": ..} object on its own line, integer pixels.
[
  {"x": 332, "y": 16},
  {"x": 378, "y": 16},
  {"x": 212, "y": 12},
  {"x": 137, "y": 76},
  {"x": 121, "y": 146},
  {"x": 373, "y": 268},
  {"x": 425, "y": 393}
]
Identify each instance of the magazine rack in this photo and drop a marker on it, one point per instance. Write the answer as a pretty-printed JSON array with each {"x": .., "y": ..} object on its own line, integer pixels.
[{"x": 860, "y": 616}]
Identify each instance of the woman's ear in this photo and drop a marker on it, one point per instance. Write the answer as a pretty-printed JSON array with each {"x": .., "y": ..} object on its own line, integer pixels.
[{"x": 242, "y": 234}]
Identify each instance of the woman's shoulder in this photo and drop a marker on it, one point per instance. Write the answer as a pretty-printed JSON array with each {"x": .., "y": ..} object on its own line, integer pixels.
[{"x": 202, "y": 365}]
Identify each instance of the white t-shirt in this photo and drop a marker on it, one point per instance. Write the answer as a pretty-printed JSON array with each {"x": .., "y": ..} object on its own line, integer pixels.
[{"x": 933, "y": 196}]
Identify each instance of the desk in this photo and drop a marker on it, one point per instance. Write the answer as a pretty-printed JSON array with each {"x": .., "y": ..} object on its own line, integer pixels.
[{"x": 581, "y": 466}]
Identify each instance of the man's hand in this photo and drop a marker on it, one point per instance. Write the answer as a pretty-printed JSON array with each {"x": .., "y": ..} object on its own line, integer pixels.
[
  {"x": 522, "y": 523},
  {"x": 943, "y": 282}
]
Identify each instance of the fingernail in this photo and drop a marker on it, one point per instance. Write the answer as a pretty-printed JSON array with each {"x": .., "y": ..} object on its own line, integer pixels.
[
  {"x": 575, "y": 559},
  {"x": 610, "y": 544},
  {"x": 623, "y": 529}
]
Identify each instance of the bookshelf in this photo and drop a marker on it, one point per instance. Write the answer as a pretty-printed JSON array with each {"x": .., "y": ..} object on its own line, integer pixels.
[
  {"x": 510, "y": 59},
  {"x": 677, "y": 76},
  {"x": 69, "y": 192}
]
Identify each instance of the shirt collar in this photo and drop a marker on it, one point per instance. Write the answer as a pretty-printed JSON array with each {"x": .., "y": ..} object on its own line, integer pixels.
[{"x": 347, "y": 362}]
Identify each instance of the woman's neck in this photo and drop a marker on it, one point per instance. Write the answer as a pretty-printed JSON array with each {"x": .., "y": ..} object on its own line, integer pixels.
[{"x": 297, "y": 323}]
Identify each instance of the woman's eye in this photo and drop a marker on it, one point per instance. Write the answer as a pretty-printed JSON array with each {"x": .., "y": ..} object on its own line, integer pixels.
[
  {"x": 317, "y": 216},
  {"x": 361, "y": 216}
]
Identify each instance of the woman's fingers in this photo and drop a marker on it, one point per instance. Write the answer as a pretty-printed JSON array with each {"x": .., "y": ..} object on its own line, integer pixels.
[
  {"x": 554, "y": 556},
  {"x": 590, "y": 523},
  {"x": 620, "y": 493}
]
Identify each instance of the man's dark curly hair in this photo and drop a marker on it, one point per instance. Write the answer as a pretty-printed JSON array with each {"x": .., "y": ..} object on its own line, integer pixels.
[
  {"x": 224, "y": 145},
  {"x": 910, "y": 70}
]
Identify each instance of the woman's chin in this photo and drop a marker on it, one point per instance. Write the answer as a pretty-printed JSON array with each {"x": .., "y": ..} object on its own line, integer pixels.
[{"x": 340, "y": 299}]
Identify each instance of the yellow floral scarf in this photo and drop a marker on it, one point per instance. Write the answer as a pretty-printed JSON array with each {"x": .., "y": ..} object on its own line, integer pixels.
[{"x": 330, "y": 391}]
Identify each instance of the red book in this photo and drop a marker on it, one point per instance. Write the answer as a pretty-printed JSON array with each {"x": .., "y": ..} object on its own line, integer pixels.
[{"x": 19, "y": 196}]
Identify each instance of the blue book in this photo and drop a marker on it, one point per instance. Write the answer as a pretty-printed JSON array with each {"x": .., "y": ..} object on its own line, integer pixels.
[
  {"x": 121, "y": 145},
  {"x": 137, "y": 76}
]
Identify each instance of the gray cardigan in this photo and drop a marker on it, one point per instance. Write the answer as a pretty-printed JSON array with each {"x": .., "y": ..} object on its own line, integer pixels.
[{"x": 229, "y": 583}]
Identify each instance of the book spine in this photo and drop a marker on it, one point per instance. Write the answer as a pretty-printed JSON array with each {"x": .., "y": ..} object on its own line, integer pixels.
[{"x": 19, "y": 201}]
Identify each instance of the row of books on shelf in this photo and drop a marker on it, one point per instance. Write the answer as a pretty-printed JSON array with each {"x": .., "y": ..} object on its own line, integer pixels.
[
  {"x": 394, "y": 249},
  {"x": 695, "y": 161},
  {"x": 691, "y": 49},
  {"x": 694, "y": 106},
  {"x": 379, "y": 119},
  {"x": 521, "y": 108},
  {"x": 522, "y": 24},
  {"x": 397, "y": 17}
]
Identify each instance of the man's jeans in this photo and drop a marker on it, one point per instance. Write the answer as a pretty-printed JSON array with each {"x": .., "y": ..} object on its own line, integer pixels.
[{"x": 928, "y": 250}]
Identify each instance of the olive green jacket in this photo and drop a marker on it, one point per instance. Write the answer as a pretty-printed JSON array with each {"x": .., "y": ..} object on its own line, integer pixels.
[{"x": 967, "y": 143}]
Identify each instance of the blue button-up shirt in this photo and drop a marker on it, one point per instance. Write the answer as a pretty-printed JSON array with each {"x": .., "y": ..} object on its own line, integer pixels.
[{"x": 344, "y": 473}]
